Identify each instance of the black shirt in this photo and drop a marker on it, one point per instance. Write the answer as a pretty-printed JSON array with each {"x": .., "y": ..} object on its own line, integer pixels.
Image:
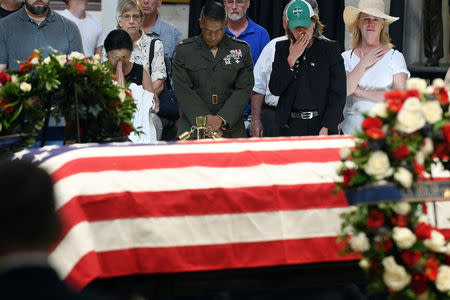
[
  {"x": 135, "y": 75},
  {"x": 4, "y": 12}
]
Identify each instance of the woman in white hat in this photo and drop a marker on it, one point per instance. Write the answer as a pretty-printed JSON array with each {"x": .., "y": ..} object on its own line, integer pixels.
[{"x": 372, "y": 66}]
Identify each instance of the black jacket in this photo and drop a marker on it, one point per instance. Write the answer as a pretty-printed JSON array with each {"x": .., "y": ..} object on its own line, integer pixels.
[{"x": 317, "y": 84}]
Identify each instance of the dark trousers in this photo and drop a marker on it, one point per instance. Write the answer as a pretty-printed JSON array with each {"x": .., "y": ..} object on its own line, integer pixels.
[
  {"x": 433, "y": 31},
  {"x": 269, "y": 123},
  {"x": 300, "y": 127}
]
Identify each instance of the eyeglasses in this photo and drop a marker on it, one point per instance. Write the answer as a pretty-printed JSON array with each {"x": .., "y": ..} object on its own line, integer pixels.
[
  {"x": 368, "y": 20},
  {"x": 129, "y": 17},
  {"x": 238, "y": 2},
  {"x": 124, "y": 57}
]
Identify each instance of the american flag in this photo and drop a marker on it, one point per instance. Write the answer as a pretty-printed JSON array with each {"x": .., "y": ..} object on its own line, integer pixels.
[{"x": 194, "y": 206}]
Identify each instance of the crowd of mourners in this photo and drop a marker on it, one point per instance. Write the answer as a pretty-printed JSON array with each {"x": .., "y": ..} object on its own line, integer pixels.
[{"x": 246, "y": 85}]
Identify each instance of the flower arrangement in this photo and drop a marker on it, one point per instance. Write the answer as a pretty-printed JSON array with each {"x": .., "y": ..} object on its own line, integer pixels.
[
  {"x": 401, "y": 138},
  {"x": 402, "y": 255},
  {"x": 70, "y": 86}
]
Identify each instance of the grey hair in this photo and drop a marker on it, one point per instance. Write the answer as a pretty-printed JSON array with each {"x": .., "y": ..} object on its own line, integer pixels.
[{"x": 127, "y": 5}]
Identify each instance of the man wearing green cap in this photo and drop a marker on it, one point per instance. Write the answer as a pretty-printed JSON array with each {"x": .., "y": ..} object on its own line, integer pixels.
[{"x": 309, "y": 76}]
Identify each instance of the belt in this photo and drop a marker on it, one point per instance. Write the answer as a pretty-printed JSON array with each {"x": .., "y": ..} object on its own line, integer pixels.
[
  {"x": 304, "y": 115},
  {"x": 268, "y": 107}
]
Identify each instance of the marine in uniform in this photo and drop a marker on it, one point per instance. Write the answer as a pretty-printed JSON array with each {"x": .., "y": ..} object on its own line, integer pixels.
[{"x": 213, "y": 76}]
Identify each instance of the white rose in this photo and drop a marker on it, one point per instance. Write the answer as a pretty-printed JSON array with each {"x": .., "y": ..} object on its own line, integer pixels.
[
  {"x": 429, "y": 90},
  {"x": 423, "y": 218},
  {"x": 443, "y": 279},
  {"x": 14, "y": 78},
  {"x": 122, "y": 95},
  {"x": 359, "y": 242},
  {"x": 364, "y": 263},
  {"x": 432, "y": 111},
  {"x": 403, "y": 237},
  {"x": 404, "y": 177},
  {"x": 438, "y": 83},
  {"x": 420, "y": 157},
  {"x": 25, "y": 87},
  {"x": 96, "y": 58},
  {"x": 410, "y": 118},
  {"x": 34, "y": 61},
  {"x": 114, "y": 82},
  {"x": 379, "y": 110},
  {"x": 427, "y": 147},
  {"x": 378, "y": 165},
  {"x": 350, "y": 164},
  {"x": 416, "y": 84},
  {"x": 46, "y": 60},
  {"x": 76, "y": 55},
  {"x": 395, "y": 276},
  {"x": 345, "y": 152},
  {"x": 403, "y": 208},
  {"x": 436, "y": 243},
  {"x": 62, "y": 59}
]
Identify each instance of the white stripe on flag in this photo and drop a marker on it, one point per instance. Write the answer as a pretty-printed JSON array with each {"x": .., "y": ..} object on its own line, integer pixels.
[
  {"x": 120, "y": 234},
  {"x": 192, "y": 178}
]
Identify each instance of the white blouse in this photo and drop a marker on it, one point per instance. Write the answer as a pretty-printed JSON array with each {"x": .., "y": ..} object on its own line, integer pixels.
[
  {"x": 140, "y": 55},
  {"x": 379, "y": 77}
]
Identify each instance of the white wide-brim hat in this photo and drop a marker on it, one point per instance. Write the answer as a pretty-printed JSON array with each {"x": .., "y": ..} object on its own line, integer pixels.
[{"x": 370, "y": 7}]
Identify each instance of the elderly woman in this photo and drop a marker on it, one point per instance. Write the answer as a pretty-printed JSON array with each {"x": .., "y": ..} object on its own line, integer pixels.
[
  {"x": 129, "y": 18},
  {"x": 309, "y": 76},
  {"x": 372, "y": 66}
]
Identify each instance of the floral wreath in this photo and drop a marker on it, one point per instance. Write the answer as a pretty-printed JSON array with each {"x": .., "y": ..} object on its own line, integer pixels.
[
  {"x": 104, "y": 109},
  {"x": 403, "y": 141}
]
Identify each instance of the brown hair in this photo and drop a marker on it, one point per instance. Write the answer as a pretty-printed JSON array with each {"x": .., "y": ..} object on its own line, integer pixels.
[
  {"x": 357, "y": 37},
  {"x": 127, "y": 5},
  {"x": 318, "y": 28}
]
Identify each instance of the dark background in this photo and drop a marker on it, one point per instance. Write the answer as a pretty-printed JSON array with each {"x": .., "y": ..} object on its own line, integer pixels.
[{"x": 268, "y": 13}]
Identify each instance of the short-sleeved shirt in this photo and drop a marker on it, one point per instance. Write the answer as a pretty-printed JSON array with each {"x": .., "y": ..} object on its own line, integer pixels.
[
  {"x": 256, "y": 36},
  {"x": 90, "y": 29},
  {"x": 379, "y": 77},
  {"x": 20, "y": 35},
  {"x": 169, "y": 36},
  {"x": 263, "y": 69}
]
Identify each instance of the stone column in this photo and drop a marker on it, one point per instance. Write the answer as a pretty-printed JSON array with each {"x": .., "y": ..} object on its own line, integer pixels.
[{"x": 109, "y": 15}]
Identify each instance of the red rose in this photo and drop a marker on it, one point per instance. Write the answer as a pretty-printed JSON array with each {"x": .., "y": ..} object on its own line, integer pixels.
[
  {"x": 375, "y": 133},
  {"x": 400, "y": 221},
  {"x": 25, "y": 67},
  {"x": 442, "y": 151},
  {"x": 431, "y": 269},
  {"x": 393, "y": 95},
  {"x": 400, "y": 153},
  {"x": 372, "y": 122},
  {"x": 446, "y": 131},
  {"x": 126, "y": 129},
  {"x": 441, "y": 95},
  {"x": 114, "y": 106},
  {"x": 4, "y": 77},
  {"x": 80, "y": 67},
  {"x": 387, "y": 245},
  {"x": 418, "y": 283},
  {"x": 129, "y": 93},
  {"x": 375, "y": 220},
  {"x": 411, "y": 93},
  {"x": 419, "y": 169},
  {"x": 394, "y": 105},
  {"x": 423, "y": 231},
  {"x": 115, "y": 78},
  {"x": 411, "y": 257},
  {"x": 348, "y": 175},
  {"x": 5, "y": 102}
]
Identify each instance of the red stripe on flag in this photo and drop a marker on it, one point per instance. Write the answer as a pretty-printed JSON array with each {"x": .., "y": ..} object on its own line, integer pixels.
[
  {"x": 203, "y": 258},
  {"x": 198, "y": 202},
  {"x": 183, "y": 160}
]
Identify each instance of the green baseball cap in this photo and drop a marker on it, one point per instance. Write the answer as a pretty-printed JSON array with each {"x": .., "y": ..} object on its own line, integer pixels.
[{"x": 299, "y": 14}]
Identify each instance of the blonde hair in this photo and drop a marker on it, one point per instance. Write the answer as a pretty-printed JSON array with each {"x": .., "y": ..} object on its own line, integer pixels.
[
  {"x": 356, "y": 41},
  {"x": 127, "y": 5}
]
